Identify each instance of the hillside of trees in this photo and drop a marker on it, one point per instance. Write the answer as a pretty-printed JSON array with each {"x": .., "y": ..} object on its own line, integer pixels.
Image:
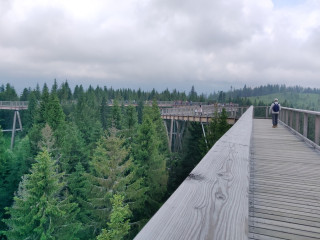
[{"x": 84, "y": 170}]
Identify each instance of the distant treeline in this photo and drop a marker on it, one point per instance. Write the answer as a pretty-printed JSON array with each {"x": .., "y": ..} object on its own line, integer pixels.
[
  {"x": 270, "y": 89},
  {"x": 65, "y": 93}
]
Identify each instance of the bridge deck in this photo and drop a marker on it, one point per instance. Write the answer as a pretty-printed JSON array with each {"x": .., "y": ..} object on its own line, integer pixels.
[{"x": 284, "y": 201}]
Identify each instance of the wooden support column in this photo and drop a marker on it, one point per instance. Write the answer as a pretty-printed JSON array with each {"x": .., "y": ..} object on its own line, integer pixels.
[
  {"x": 287, "y": 117},
  {"x": 165, "y": 125},
  {"x": 267, "y": 112},
  {"x": 204, "y": 134},
  {"x": 177, "y": 138},
  {"x": 305, "y": 124},
  {"x": 317, "y": 129},
  {"x": 170, "y": 137},
  {"x": 13, "y": 129},
  {"x": 19, "y": 120}
]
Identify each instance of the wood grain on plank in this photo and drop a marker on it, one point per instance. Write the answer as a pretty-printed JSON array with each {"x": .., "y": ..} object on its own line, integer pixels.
[{"x": 212, "y": 203}]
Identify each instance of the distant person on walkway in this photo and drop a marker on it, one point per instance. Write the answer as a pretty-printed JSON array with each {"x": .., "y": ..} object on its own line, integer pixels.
[{"x": 274, "y": 110}]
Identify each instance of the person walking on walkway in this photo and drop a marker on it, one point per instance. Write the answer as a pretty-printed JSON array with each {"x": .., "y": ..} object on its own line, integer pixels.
[{"x": 274, "y": 110}]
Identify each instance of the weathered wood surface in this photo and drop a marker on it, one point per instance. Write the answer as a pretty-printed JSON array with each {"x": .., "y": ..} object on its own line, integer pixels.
[
  {"x": 284, "y": 186},
  {"x": 212, "y": 203}
]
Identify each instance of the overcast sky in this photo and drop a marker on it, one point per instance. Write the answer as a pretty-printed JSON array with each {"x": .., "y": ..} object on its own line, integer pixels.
[{"x": 211, "y": 44}]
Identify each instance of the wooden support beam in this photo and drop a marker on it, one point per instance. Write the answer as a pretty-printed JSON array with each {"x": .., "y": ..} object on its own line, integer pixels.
[
  {"x": 13, "y": 129},
  {"x": 166, "y": 127},
  {"x": 171, "y": 131},
  {"x": 19, "y": 120}
]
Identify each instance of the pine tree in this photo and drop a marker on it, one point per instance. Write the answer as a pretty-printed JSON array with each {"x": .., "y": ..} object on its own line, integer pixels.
[
  {"x": 41, "y": 210},
  {"x": 103, "y": 113},
  {"x": 72, "y": 148},
  {"x": 54, "y": 113},
  {"x": 42, "y": 115},
  {"x": 213, "y": 131},
  {"x": 140, "y": 108},
  {"x": 31, "y": 113},
  {"x": 118, "y": 226},
  {"x": 116, "y": 115},
  {"x": 190, "y": 155},
  {"x": 151, "y": 165},
  {"x": 224, "y": 126},
  {"x": 79, "y": 185},
  {"x": 109, "y": 169}
]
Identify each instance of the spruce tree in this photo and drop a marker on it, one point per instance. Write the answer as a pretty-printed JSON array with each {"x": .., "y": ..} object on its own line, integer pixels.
[
  {"x": 54, "y": 115},
  {"x": 109, "y": 169},
  {"x": 224, "y": 126},
  {"x": 41, "y": 209},
  {"x": 72, "y": 147},
  {"x": 151, "y": 165},
  {"x": 79, "y": 186},
  {"x": 118, "y": 226},
  {"x": 116, "y": 115},
  {"x": 103, "y": 113}
]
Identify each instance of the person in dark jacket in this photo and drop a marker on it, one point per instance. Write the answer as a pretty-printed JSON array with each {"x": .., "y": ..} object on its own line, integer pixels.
[{"x": 275, "y": 110}]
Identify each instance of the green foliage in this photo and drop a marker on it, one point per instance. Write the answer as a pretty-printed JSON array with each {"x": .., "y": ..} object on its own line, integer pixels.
[
  {"x": 218, "y": 126},
  {"x": 71, "y": 147},
  {"x": 104, "y": 113},
  {"x": 55, "y": 115},
  {"x": 125, "y": 168},
  {"x": 79, "y": 185},
  {"x": 151, "y": 164},
  {"x": 184, "y": 161},
  {"x": 118, "y": 226},
  {"x": 116, "y": 115},
  {"x": 131, "y": 118},
  {"x": 12, "y": 166},
  {"x": 110, "y": 173},
  {"x": 41, "y": 209},
  {"x": 86, "y": 117},
  {"x": 8, "y": 93}
]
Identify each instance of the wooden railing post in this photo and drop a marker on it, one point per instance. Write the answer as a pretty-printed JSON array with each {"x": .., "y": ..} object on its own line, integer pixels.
[
  {"x": 297, "y": 122},
  {"x": 317, "y": 129},
  {"x": 305, "y": 124},
  {"x": 291, "y": 118}
]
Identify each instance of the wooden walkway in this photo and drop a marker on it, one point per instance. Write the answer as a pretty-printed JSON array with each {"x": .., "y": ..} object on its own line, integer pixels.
[{"x": 284, "y": 199}]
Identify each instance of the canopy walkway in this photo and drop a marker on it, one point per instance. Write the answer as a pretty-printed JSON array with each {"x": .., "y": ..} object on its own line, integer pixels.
[{"x": 257, "y": 182}]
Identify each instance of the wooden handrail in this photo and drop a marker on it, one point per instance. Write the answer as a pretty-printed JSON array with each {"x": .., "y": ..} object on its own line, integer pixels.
[
  {"x": 298, "y": 121},
  {"x": 212, "y": 202}
]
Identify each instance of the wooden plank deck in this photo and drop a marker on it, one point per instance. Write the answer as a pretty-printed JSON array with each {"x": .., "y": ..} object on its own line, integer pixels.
[{"x": 284, "y": 199}]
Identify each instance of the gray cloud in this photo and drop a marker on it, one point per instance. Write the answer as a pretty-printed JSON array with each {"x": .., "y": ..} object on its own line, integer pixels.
[{"x": 160, "y": 43}]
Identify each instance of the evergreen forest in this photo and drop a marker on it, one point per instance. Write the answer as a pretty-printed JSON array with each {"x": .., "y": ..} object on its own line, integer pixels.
[{"x": 82, "y": 169}]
